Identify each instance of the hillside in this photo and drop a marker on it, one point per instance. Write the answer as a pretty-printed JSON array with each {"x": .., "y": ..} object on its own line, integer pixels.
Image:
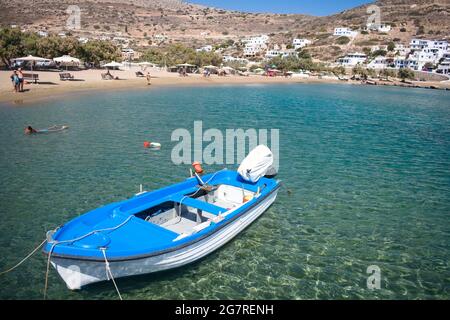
[{"x": 197, "y": 25}]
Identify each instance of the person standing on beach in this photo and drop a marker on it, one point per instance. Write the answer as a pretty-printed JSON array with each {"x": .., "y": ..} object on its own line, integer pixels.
[
  {"x": 20, "y": 75},
  {"x": 149, "y": 78},
  {"x": 15, "y": 80}
]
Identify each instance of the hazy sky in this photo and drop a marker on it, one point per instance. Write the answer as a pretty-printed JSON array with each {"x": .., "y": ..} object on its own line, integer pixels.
[{"x": 313, "y": 7}]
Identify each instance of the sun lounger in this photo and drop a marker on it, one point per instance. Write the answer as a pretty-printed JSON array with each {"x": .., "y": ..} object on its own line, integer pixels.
[
  {"x": 106, "y": 76},
  {"x": 31, "y": 76},
  {"x": 63, "y": 76}
]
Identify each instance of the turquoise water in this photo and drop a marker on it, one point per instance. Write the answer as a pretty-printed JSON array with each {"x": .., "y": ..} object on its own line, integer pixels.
[{"x": 366, "y": 174}]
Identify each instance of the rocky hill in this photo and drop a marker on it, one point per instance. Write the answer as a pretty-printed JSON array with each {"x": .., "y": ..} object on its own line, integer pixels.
[{"x": 197, "y": 25}]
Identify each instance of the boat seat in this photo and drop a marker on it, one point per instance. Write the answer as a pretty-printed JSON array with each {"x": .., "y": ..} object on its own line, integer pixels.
[{"x": 204, "y": 206}]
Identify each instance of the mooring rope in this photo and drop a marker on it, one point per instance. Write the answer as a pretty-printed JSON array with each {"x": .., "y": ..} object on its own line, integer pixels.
[
  {"x": 108, "y": 271},
  {"x": 25, "y": 259},
  {"x": 48, "y": 269},
  {"x": 55, "y": 243}
]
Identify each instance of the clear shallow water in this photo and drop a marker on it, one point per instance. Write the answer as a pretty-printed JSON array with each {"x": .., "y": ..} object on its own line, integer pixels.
[{"x": 366, "y": 174}]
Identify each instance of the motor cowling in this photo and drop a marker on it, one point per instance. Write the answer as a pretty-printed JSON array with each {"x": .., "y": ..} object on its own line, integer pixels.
[{"x": 257, "y": 164}]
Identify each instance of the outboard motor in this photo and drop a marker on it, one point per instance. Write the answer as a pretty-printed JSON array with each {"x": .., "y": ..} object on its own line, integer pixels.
[{"x": 257, "y": 164}]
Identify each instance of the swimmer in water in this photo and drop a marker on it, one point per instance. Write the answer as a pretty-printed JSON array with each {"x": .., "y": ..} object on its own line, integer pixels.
[{"x": 30, "y": 130}]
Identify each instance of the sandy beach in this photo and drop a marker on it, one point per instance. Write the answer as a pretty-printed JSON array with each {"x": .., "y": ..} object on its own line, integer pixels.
[{"x": 50, "y": 86}]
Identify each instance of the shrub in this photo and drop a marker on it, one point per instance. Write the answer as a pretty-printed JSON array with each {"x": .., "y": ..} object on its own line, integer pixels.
[
  {"x": 405, "y": 73},
  {"x": 342, "y": 40}
]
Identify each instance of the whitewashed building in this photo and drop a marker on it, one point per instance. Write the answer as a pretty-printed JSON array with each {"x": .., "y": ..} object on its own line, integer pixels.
[
  {"x": 300, "y": 43},
  {"x": 379, "y": 62},
  {"x": 83, "y": 40},
  {"x": 420, "y": 44},
  {"x": 228, "y": 58},
  {"x": 207, "y": 48},
  {"x": 352, "y": 59},
  {"x": 255, "y": 45},
  {"x": 160, "y": 37},
  {"x": 444, "y": 65},
  {"x": 43, "y": 34},
  {"x": 401, "y": 49},
  {"x": 345, "y": 32},
  {"x": 382, "y": 27}
]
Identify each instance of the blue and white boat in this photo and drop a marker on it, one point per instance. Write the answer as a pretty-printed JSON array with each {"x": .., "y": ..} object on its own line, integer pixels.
[{"x": 163, "y": 229}]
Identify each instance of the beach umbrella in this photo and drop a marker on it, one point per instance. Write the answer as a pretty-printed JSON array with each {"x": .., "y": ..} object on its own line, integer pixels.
[
  {"x": 210, "y": 67},
  {"x": 229, "y": 70},
  {"x": 112, "y": 64},
  {"x": 67, "y": 60},
  {"x": 146, "y": 64},
  {"x": 31, "y": 59}
]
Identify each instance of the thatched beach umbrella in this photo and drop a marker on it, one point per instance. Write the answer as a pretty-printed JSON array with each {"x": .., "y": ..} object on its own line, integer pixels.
[
  {"x": 112, "y": 64},
  {"x": 32, "y": 59},
  {"x": 67, "y": 61}
]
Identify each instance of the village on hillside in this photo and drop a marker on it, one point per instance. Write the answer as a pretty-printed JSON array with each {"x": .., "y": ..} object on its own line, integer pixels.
[{"x": 257, "y": 52}]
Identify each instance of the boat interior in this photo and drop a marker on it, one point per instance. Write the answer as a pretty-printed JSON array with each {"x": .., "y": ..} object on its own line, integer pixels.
[{"x": 189, "y": 213}]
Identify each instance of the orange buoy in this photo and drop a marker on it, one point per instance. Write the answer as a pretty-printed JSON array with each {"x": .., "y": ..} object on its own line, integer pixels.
[
  {"x": 197, "y": 167},
  {"x": 147, "y": 144}
]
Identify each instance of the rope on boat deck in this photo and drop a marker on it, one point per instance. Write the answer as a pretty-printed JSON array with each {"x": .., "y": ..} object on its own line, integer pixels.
[{"x": 109, "y": 274}]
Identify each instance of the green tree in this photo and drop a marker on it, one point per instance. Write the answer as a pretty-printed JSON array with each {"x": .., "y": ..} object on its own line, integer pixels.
[
  {"x": 343, "y": 40},
  {"x": 391, "y": 46},
  {"x": 387, "y": 73},
  {"x": 358, "y": 70},
  {"x": 338, "y": 71},
  {"x": 95, "y": 51},
  {"x": 11, "y": 45},
  {"x": 405, "y": 73}
]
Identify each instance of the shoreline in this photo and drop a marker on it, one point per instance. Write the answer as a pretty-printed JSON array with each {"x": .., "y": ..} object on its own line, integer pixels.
[{"x": 90, "y": 81}]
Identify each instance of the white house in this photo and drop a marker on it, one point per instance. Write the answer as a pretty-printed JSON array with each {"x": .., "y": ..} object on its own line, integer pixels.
[
  {"x": 401, "y": 62},
  {"x": 160, "y": 37},
  {"x": 379, "y": 62},
  {"x": 273, "y": 53},
  {"x": 207, "y": 48},
  {"x": 128, "y": 54},
  {"x": 419, "y": 44},
  {"x": 259, "y": 40},
  {"x": 300, "y": 43},
  {"x": 228, "y": 58},
  {"x": 280, "y": 53},
  {"x": 352, "y": 59},
  {"x": 428, "y": 55},
  {"x": 382, "y": 27},
  {"x": 376, "y": 48},
  {"x": 83, "y": 40},
  {"x": 444, "y": 66},
  {"x": 401, "y": 49},
  {"x": 345, "y": 32},
  {"x": 255, "y": 45},
  {"x": 43, "y": 34}
]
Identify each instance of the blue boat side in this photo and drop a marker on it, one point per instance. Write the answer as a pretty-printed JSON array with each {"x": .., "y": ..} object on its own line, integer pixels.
[{"x": 129, "y": 237}]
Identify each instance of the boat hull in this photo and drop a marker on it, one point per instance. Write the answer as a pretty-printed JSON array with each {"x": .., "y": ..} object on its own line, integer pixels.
[{"x": 79, "y": 273}]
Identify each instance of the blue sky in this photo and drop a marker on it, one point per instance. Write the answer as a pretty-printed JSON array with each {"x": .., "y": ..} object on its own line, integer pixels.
[{"x": 312, "y": 7}]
